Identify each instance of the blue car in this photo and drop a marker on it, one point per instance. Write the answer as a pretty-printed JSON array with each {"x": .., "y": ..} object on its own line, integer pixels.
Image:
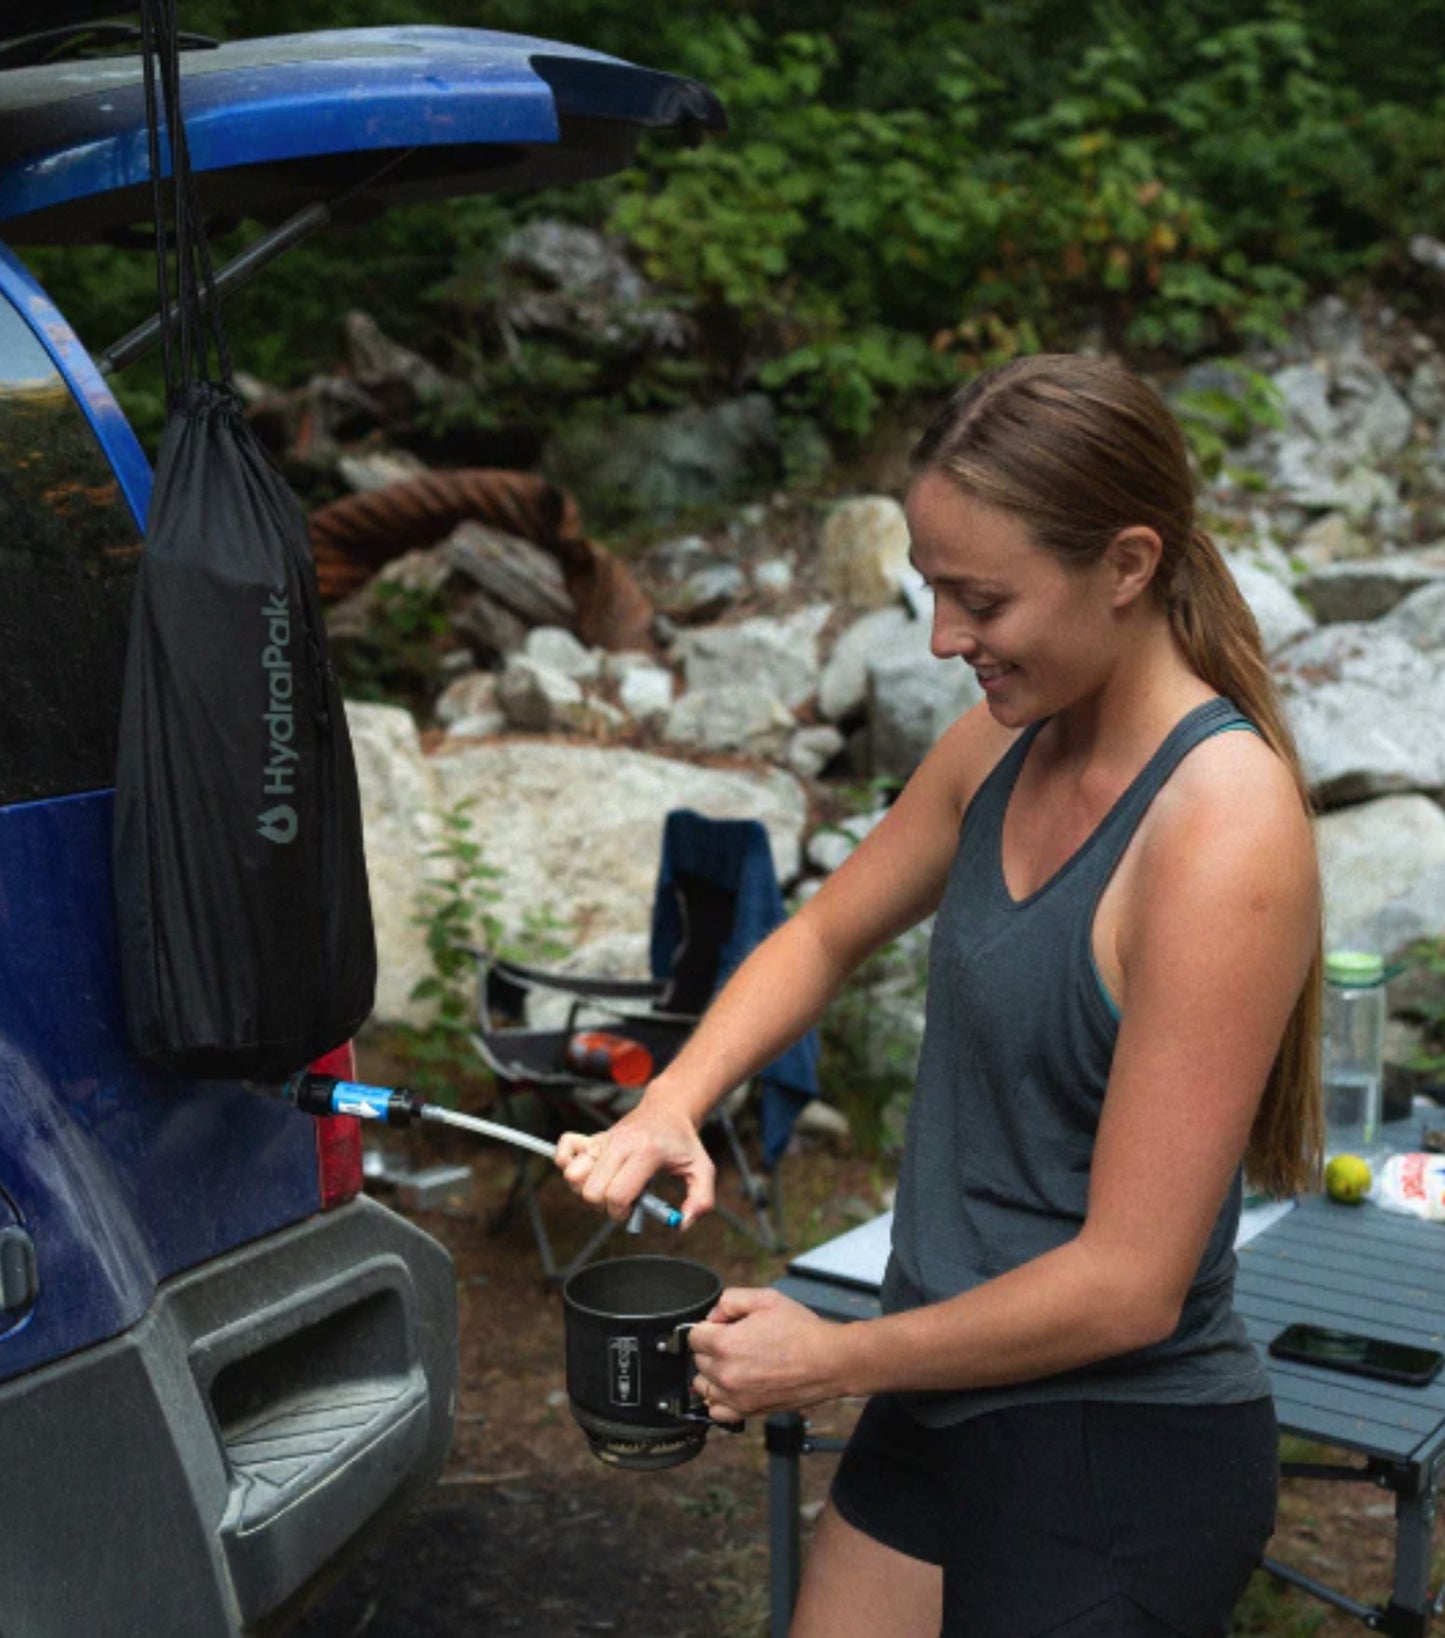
[{"x": 221, "y": 1365}]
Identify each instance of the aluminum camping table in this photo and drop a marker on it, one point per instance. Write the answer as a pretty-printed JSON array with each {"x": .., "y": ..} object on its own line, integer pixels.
[{"x": 1350, "y": 1268}]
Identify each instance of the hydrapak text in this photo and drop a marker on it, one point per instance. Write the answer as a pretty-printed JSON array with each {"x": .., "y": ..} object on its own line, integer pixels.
[{"x": 278, "y": 822}]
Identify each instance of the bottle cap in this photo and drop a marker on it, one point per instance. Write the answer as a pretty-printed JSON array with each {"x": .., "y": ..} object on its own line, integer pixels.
[{"x": 1355, "y": 967}]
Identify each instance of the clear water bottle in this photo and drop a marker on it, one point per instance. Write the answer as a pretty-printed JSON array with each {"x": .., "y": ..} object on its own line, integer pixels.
[{"x": 1354, "y": 1051}]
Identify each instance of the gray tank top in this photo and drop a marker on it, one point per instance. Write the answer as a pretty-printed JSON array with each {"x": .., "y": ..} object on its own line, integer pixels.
[{"x": 1016, "y": 1054}]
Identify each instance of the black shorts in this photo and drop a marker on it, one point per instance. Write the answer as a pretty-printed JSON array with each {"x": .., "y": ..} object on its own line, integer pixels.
[{"x": 1085, "y": 1519}]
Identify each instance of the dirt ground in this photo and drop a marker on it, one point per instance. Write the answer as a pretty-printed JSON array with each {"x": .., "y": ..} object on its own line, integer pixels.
[{"x": 528, "y": 1532}]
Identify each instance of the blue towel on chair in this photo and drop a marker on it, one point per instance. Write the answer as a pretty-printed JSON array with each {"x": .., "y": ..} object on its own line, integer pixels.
[{"x": 734, "y": 855}]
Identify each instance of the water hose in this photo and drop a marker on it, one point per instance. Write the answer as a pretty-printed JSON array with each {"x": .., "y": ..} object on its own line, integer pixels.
[{"x": 399, "y": 1106}]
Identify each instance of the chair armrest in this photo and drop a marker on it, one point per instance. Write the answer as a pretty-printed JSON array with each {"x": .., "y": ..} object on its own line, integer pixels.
[{"x": 588, "y": 988}]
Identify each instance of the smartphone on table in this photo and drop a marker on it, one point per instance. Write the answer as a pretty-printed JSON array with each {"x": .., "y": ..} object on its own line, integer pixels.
[{"x": 1358, "y": 1355}]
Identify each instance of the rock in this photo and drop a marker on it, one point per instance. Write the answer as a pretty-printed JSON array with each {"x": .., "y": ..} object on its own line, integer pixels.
[
  {"x": 399, "y": 804},
  {"x": 1280, "y": 615},
  {"x": 397, "y": 377},
  {"x": 630, "y": 466},
  {"x": 378, "y": 468},
  {"x": 1373, "y": 858},
  {"x": 1366, "y": 590},
  {"x": 1330, "y": 326},
  {"x": 864, "y": 551},
  {"x": 698, "y": 582},
  {"x": 811, "y": 750},
  {"x": 730, "y": 717},
  {"x": 1365, "y": 707},
  {"x": 536, "y": 698},
  {"x": 646, "y": 692},
  {"x": 556, "y": 648},
  {"x": 1426, "y": 390},
  {"x": 1330, "y": 539},
  {"x": 843, "y": 683},
  {"x": 1428, "y": 253},
  {"x": 576, "y": 830},
  {"x": 565, "y": 279},
  {"x": 474, "y": 694},
  {"x": 911, "y": 700},
  {"x": 779, "y": 655},
  {"x": 819, "y": 1119},
  {"x": 773, "y": 578},
  {"x": 1420, "y": 618},
  {"x": 830, "y": 845}
]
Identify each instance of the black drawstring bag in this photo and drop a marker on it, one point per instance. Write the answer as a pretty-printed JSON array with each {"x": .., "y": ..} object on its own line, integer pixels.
[{"x": 246, "y": 939}]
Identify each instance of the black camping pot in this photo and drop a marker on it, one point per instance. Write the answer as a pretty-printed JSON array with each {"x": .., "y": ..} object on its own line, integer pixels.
[{"x": 629, "y": 1368}]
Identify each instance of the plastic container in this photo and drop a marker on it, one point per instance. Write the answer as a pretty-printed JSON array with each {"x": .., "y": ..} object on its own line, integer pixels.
[{"x": 1353, "y": 1058}]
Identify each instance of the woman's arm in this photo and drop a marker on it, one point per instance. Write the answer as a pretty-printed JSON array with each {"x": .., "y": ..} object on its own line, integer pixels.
[
  {"x": 891, "y": 881},
  {"x": 1214, "y": 949}
]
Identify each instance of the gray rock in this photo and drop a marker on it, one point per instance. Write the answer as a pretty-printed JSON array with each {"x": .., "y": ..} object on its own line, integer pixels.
[
  {"x": 1428, "y": 252},
  {"x": 1330, "y": 326},
  {"x": 1330, "y": 539},
  {"x": 472, "y": 694},
  {"x": 780, "y": 655},
  {"x": 843, "y": 684},
  {"x": 564, "y": 279},
  {"x": 1373, "y": 857},
  {"x": 773, "y": 578},
  {"x": 1365, "y": 707},
  {"x": 576, "y": 830},
  {"x": 1426, "y": 391},
  {"x": 830, "y": 845},
  {"x": 656, "y": 467},
  {"x": 556, "y": 648},
  {"x": 910, "y": 703},
  {"x": 1364, "y": 590},
  {"x": 730, "y": 717},
  {"x": 646, "y": 693},
  {"x": 811, "y": 750},
  {"x": 400, "y": 824},
  {"x": 1280, "y": 615},
  {"x": 1420, "y": 618},
  {"x": 536, "y": 698}
]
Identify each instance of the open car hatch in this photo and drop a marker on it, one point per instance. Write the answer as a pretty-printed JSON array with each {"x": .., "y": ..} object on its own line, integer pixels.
[{"x": 277, "y": 124}]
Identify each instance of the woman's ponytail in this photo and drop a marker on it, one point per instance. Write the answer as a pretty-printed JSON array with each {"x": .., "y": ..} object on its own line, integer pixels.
[{"x": 1220, "y": 637}]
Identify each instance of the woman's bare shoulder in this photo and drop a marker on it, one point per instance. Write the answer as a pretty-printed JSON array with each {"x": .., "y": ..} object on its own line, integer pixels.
[{"x": 1233, "y": 799}]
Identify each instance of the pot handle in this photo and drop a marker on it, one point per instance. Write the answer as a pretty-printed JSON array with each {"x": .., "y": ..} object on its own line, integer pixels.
[{"x": 694, "y": 1410}]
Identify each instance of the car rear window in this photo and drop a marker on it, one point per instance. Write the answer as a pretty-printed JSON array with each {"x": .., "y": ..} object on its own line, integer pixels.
[{"x": 69, "y": 549}]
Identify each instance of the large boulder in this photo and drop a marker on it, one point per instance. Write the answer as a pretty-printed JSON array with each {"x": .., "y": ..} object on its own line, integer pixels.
[
  {"x": 401, "y": 824},
  {"x": 1365, "y": 706},
  {"x": 576, "y": 830},
  {"x": 1376, "y": 859}
]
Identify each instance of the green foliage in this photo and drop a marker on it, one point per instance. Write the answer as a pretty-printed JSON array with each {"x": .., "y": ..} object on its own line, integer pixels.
[
  {"x": 397, "y": 660},
  {"x": 1217, "y": 418},
  {"x": 905, "y": 194},
  {"x": 456, "y": 906},
  {"x": 1429, "y": 1010}
]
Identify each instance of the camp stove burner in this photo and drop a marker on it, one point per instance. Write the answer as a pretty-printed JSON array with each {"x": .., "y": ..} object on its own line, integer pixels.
[{"x": 622, "y": 1444}]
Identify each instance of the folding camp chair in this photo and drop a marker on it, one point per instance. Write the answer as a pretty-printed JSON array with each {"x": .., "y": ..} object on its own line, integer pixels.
[{"x": 716, "y": 897}]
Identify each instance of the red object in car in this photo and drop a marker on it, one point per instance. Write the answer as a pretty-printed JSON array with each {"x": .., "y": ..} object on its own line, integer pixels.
[{"x": 338, "y": 1137}]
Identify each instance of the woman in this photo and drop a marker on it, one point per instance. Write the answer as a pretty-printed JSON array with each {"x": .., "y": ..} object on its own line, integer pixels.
[{"x": 1067, "y": 1430}]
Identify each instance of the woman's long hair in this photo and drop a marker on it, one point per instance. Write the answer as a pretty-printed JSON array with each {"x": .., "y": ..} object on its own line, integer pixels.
[{"x": 1078, "y": 449}]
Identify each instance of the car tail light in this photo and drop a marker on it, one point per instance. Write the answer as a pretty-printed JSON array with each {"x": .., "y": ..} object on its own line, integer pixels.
[{"x": 338, "y": 1137}]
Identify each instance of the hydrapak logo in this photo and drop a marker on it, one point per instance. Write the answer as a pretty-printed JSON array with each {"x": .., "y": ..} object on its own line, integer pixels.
[{"x": 278, "y": 823}]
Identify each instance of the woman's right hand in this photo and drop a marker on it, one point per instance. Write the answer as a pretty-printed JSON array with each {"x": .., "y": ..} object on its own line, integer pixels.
[{"x": 611, "y": 1168}]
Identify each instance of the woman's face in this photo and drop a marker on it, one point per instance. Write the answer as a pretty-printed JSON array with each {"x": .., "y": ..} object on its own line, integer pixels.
[{"x": 1038, "y": 635}]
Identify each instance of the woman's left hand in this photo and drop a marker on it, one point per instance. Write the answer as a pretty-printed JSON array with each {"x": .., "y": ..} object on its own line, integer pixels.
[{"x": 761, "y": 1351}]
